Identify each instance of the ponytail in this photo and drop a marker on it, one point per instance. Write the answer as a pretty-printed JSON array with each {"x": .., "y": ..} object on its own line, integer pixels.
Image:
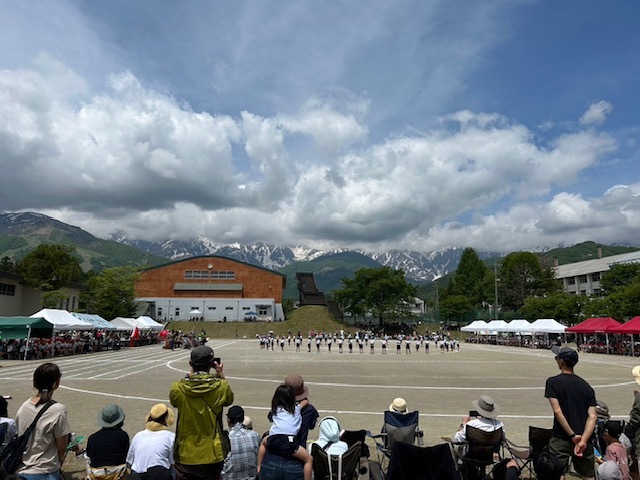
[{"x": 46, "y": 379}]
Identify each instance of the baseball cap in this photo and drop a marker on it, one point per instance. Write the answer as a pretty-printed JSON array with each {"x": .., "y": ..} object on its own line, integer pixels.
[
  {"x": 569, "y": 355},
  {"x": 235, "y": 414},
  {"x": 201, "y": 355}
]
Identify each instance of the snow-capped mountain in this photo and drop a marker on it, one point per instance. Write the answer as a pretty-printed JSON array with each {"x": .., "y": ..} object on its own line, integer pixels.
[{"x": 420, "y": 266}]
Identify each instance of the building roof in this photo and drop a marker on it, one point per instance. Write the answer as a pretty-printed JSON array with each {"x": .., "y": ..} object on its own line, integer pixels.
[
  {"x": 214, "y": 256},
  {"x": 597, "y": 265}
]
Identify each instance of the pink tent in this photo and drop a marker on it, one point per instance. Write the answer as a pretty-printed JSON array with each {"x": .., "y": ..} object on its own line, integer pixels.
[{"x": 593, "y": 325}]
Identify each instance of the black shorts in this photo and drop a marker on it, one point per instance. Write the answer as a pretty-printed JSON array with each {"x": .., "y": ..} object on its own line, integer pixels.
[{"x": 283, "y": 445}]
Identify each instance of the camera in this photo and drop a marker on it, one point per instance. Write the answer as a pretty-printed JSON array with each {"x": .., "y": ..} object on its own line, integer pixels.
[{"x": 473, "y": 413}]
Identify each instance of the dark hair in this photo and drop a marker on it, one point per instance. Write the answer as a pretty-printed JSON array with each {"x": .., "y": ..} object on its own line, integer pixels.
[
  {"x": 45, "y": 380},
  {"x": 614, "y": 428},
  {"x": 548, "y": 467},
  {"x": 283, "y": 397}
]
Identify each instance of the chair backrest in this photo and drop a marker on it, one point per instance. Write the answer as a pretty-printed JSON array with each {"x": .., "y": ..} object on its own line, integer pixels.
[
  {"x": 483, "y": 445},
  {"x": 336, "y": 467},
  {"x": 409, "y": 462},
  {"x": 400, "y": 428},
  {"x": 539, "y": 440},
  {"x": 351, "y": 437}
]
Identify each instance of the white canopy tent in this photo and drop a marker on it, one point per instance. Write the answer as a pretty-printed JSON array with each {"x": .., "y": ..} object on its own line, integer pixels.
[
  {"x": 150, "y": 322},
  {"x": 547, "y": 325},
  {"x": 122, "y": 323},
  {"x": 97, "y": 321},
  {"x": 521, "y": 327},
  {"x": 497, "y": 326},
  {"x": 475, "y": 326},
  {"x": 63, "y": 320}
]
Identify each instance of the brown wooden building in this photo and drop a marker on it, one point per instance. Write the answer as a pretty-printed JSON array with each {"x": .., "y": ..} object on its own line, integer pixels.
[{"x": 211, "y": 288}]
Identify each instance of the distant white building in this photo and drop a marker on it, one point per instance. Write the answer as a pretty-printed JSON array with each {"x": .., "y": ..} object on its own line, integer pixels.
[
  {"x": 19, "y": 299},
  {"x": 583, "y": 278}
]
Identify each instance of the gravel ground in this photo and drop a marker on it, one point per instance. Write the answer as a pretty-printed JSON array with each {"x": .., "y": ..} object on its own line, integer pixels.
[{"x": 355, "y": 388}]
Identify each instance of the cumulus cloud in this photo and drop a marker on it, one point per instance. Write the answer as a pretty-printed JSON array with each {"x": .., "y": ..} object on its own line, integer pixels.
[
  {"x": 135, "y": 158},
  {"x": 597, "y": 113}
]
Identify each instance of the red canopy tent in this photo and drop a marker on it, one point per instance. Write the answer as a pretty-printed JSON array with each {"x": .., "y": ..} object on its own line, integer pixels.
[
  {"x": 631, "y": 327},
  {"x": 593, "y": 325}
]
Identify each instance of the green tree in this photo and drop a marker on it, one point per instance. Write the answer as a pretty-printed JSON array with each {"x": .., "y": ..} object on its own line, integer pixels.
[
  {"x": 7, "y": 265},
  {"x": 54, "y": 298},
  {"x": 561, "y": 306},
  {"x": 521, "y": 276},
  {"x": 49, "y": 267},
  {"x": 618, "y": 276},
  {"x": 470, "y": 277},
  {"x": 456, "y": 308},
  {"x": 111, "y": 293},
  {"x": 382, "y": 291}
]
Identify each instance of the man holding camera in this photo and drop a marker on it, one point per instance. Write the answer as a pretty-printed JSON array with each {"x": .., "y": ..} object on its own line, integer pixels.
[{"x": 200, "y": 397}]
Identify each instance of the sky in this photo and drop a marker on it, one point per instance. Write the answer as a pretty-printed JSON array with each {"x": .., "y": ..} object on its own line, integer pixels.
[{"x": 501, "y": 125}]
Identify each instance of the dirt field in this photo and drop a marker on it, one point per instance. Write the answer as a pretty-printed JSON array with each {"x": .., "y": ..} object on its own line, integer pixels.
[{"x": 355, "y": 388}]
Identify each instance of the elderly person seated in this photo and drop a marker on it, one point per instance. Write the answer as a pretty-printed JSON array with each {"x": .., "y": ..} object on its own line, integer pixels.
[
  {"x": 107, "y": 448},
  {"x": 329, "y": 439},
  {"x": 150, "y": 454},
  {"x": 483, "y": 417},
  {"x": 399, "y": 405},
  {"x": 241, "y": 462}
]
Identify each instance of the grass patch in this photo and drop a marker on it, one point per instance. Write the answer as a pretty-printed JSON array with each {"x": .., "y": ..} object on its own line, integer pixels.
[{"x": 303, "y": 319}]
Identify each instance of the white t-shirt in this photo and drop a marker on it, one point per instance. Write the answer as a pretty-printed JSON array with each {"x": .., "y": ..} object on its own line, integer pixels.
[
  {"x": 481, "y": 423},
  {"x": 285, "y": 423},
  {"x": 151, "y": 449}
]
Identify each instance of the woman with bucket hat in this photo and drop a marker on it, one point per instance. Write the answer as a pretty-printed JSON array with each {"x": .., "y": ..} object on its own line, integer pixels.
[
  {"x": 151, "y": 452},
  {"x": 484, "y": 415},
  {"x": 107, "y": 448}
]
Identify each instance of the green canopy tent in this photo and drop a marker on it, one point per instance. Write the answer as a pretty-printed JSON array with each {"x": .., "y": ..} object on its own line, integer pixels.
[{"x": 17, "y": 328}]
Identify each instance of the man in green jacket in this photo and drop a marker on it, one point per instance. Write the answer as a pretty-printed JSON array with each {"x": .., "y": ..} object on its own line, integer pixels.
[{"x": 200, "y": 397}]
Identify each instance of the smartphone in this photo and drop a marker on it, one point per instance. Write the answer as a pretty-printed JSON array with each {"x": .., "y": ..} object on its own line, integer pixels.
[
  {"x": 473, "y": 413},
  {"x": 217, "y": 360}
]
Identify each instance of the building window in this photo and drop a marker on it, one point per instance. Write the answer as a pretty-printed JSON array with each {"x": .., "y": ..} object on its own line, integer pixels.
[
  {"x": 246, "y": 308},
  {"x": 571, "y": 281},
  {"x": 209, "y": 275},
  {"x": 583, "y": 279},
  {"x": 228, "y": 308},
  {"x": 160, "y": 312},
  {"x": 262, "y": 311},
  {"x": 595, "y": 277},
  {"x": 177, "y": 312},
  {"x": 211, "y": 308},
  {"x": 7, "y": 289}
]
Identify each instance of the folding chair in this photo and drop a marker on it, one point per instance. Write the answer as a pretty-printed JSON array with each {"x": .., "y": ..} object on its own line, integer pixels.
[
  {"x": 351, "y": 437},
  {"x": 409, "y": 462},
  {"x": 336, "y": 467},
  {"x": 481, "y": 451},
  {"x": 526, "y": 456},
  {"x": 397, "y": 428}
]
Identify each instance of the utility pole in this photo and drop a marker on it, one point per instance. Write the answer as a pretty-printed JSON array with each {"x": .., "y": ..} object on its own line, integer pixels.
[{"x": 495, "y": 303}]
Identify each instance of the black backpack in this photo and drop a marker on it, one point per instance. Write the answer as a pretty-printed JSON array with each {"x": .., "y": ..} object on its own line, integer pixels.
[{"x": 11, "y": 454}]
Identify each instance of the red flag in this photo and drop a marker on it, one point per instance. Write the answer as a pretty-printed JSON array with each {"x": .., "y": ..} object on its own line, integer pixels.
[{"x": 135, "y": 334}]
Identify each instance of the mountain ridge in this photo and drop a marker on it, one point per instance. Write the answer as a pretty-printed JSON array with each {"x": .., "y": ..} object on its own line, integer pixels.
[{"x": 20, "y": 232}]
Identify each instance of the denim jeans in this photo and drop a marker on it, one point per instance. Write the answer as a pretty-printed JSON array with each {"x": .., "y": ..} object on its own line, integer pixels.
[
  {"x": 275, "y": 467},
  {"x": 41, "y": 476}
]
